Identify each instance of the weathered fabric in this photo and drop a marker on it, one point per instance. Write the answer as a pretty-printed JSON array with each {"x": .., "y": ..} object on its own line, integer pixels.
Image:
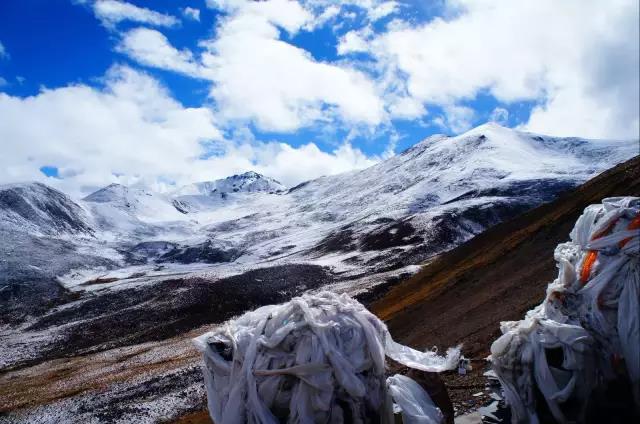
[
  {"x": 587, "y": 330},
  {"x": 316, "y": 359}
]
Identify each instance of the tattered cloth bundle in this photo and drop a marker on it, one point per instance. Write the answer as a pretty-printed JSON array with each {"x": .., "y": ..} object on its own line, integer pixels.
[
  {"x": 316, "y": 359},
  {"x": 557, "y": 362}
]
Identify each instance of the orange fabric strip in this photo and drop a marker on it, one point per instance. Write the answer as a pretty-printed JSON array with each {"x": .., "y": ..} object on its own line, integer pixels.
[
  {"x": 587, "y": 265},
  {"x": 633, "y": 225},
  {"x": 585, "y": 272}
]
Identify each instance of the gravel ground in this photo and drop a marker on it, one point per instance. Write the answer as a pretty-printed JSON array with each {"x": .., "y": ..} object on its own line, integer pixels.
[{"x": 468, "y": 392}]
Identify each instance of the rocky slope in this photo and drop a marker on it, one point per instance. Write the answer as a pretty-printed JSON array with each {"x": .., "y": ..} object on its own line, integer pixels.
[
  {"x": 497, "y": 276},
  {"x": 462, "y": 296},
  {"x": 39, "y": 209}
]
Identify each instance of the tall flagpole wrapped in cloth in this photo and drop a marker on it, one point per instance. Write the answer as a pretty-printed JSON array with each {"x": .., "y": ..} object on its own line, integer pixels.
[
  {"x": 578, "y": 353},
  {"x": 316, "y": 359}
]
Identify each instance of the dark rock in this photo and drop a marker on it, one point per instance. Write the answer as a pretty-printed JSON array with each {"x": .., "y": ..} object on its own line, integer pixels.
[{"x": 204, "y": 252}]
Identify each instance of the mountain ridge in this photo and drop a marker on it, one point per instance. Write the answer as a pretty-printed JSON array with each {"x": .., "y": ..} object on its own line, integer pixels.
[
  {"x": 249, "y": 182},
  {"x": 512, "y": 263},
  {"x": 384, "y": 219}
]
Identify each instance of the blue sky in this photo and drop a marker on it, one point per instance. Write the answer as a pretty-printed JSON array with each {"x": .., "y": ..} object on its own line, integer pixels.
[{"x": 167, "y": 92}]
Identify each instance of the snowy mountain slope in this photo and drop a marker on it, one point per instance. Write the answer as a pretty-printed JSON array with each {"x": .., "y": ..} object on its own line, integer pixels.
[
  {"x": 439, "y": 169},
  {"x": 391, "y": 216},
  {"x": 37, "y": 208},
  {"x": 145, "y": 205},
  {"x": 43, "y": 233},
  {"x": 435, "y": 195},
  {"x": 122, "y": 213}
]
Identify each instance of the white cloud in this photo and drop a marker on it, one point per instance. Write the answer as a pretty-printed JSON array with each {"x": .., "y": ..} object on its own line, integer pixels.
[
  {"x": 3, "y": 82},
  {"x": 289, "y": 165},
  {"x": 458, "y": 118},
  {"x": 112, "y": 12},
  {"x": 191, "y": 13},
  {"x": 354, "y": 42},
  {"x": 257, "y": 77},
  {"x": 579, "y": 58},
  {"x": 132, "y": 132},
  {"x": 151, "y": 48},
  {"x": 3, "y": 51},
  {"x": 499, "y": 115},
  {"x": 383, "y": 10},
  {"x": 131, "y": 127},
  {"x": 373, "y": 9},
  {"x": 326, "y": 15},
  {"x": 281, "y": 87},
  {"x": 405, "y": 107}
]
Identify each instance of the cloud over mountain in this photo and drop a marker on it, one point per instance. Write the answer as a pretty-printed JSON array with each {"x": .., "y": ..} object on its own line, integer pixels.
[{"x": 299, "y": 89}]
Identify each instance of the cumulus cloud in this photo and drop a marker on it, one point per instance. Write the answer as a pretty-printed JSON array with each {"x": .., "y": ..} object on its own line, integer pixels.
[
  {"x": 456, "y": 119},
  {"x": 578, "y": 59},
  {"x": 384, "y": 9},
  {"x": 257, "y": 77},
  {"x": 112, "y": 12},
  {"x": 93, "y": 133},
  {"x": 289, "y": 165},
  {"x": 132, "y": 131},
  {"x": 373, "y": 10},
  {"x": 150, "y": 47},
  {"x": 325, "y": 16},
  {"x": 279, "y": 86},
  {"x": 191, "y": 13},
  {"x": 354, "y": 41}
]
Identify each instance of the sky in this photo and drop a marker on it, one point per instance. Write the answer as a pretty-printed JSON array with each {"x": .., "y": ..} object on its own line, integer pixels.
[{"x": 162, "y": 93}]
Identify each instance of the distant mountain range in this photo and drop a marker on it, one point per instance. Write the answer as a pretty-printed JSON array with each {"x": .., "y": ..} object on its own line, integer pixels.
[{"x": 389, "y": 217}]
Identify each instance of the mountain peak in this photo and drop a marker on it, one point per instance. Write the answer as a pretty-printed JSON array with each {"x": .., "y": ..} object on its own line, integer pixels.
[
  {"x": 491, "y": 125},
  {"x": 247, "y": 182},
  {"x": 489, "y": 129},
  {"x": 250, "y": 174},
  {"x": 108, "y": 193},
  {"x": 485, "y": 130}
]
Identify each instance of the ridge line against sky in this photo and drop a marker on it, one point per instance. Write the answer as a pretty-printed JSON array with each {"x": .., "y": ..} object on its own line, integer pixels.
[{"x": 163, "y": 93}]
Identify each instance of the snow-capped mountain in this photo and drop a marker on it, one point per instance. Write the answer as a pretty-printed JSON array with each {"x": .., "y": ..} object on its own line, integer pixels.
[
  {"x": 223, "y": 193},
  {"x": 248, "y": 182},
  {"x": 429, "y": 198},
  {"x": 386, "y": 218}
]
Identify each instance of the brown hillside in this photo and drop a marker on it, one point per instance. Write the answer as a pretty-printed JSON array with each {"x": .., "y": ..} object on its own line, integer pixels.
[{"x": 462, "y": 296}]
